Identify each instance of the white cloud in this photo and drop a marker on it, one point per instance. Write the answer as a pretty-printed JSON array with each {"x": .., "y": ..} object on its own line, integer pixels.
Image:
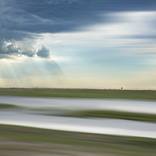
[{"x": 123, "y": 30}]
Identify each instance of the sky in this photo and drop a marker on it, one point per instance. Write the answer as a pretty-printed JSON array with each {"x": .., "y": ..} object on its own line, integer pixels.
[{"x": 102, "y": 44}]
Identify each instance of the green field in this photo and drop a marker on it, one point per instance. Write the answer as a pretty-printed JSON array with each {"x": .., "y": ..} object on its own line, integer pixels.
[
  {"x": 90, "y": 144},
  {"x": 113, "y": 115},
  {"x": 81, "y": 93},
  {"x": 8, "y": 106}
]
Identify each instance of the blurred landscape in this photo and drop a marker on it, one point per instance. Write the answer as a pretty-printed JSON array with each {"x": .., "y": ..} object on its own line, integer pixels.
[{"x": 77, "y": 122}]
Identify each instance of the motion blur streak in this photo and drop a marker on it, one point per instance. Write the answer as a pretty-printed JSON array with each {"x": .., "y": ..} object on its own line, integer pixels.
[
  {"x": 97, "y": 126},
  {"x": 136, "y": 106}
]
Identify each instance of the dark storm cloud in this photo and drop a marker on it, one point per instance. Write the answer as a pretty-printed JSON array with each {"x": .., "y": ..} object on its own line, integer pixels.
[
  {"x": 27, "y": 18},
  {"x": 22, "y": 17}
]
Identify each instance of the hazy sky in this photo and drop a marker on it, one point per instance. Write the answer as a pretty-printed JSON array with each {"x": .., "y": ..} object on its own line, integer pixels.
[{"x": 78, "y": 43}]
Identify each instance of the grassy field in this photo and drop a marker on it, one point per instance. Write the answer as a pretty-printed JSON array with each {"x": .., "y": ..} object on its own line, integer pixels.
[
  {"x": 8, "y": 106},
  {"x": 81, "y": 93},
  {"x": 113, "y": 115},
  {"x": 90, "y": 144}
]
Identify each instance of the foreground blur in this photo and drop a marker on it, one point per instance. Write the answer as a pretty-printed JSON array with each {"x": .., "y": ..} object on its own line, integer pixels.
[
  {"x": 17, "y": 141},
  {"x": 69, "y": 127}
]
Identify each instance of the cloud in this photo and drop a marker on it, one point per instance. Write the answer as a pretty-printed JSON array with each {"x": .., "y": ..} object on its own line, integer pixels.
[
  {"x": 128, "y": 29},
  {"x": 11, "y": 49},
  {"x": 8, "y": 49},
  {"x": 56, "y": 2},
  {"x": 108, "y": 47},
  {"x": 43, "y": 52},
  {"x": 28, "y": 18}
]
